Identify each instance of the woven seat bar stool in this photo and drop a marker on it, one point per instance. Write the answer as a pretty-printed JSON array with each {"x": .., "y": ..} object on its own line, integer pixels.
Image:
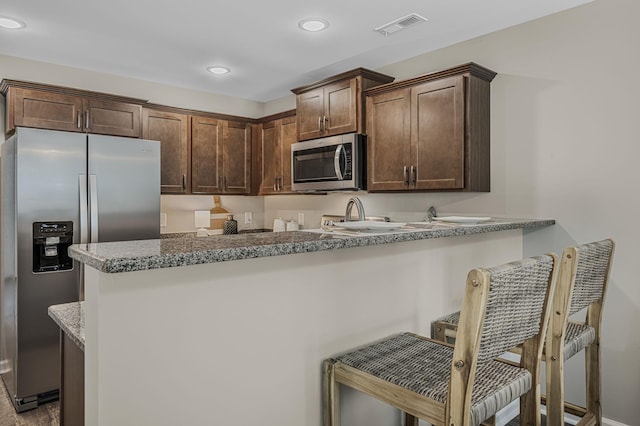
[
  {"x": 461, "y": 385},
  {"x": 582, "y": 282}
]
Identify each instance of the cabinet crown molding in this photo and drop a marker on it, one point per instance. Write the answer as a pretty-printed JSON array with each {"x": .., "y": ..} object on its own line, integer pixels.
[
  {"x": 198, "y": 113},
  {"x": 7, "y": 83},
  {"x": 357, "y": 72},
  {"x": 469, "y": 68}
]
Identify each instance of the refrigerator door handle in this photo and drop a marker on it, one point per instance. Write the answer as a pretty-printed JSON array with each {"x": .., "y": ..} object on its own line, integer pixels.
[
  {"x": 93, "y": 207},
  {"x": 84, "y": 218}
]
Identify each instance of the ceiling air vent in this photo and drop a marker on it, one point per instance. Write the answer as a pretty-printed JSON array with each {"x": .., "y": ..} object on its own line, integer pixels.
[{"x": 400, "y": 24}]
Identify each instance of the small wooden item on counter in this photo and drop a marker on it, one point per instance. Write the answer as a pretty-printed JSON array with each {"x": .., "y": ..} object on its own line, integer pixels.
[
  {"x": 218, "y": 214},
  {"x": 230, "y": 225}
]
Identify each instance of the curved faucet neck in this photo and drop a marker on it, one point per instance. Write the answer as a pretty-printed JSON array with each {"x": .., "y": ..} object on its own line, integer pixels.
[{"x": 354, "y": 201}]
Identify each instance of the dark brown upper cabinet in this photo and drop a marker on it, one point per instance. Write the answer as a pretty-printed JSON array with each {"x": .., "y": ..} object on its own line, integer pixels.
[
  {"x": 173, "y": 131},
  {"x": 274, "y": 162},
  {"x": 200, "y": 153},
  {"x": 61, "y": 108},
  {"x": 430, "y": 133},
  {"x": 335, "y": 105},
  {"x": 220, "y": 156}
]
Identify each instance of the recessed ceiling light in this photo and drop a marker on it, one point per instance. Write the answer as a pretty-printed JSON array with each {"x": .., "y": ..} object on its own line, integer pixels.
[
  {"x": 219, "y": 70},
  {"x": 11, "y": 23},
  {"x": 313, "y": 24}
]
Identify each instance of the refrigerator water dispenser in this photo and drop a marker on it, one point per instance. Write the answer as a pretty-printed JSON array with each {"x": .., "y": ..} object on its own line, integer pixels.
[{"x": 50, "y": 243}]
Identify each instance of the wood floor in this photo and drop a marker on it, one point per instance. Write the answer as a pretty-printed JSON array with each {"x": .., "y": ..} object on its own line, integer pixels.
[{"x": 45, "y": 415}]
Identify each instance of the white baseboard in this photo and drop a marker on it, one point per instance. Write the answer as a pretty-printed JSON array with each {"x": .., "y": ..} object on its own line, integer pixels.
[{"x": 609, "y": 422}]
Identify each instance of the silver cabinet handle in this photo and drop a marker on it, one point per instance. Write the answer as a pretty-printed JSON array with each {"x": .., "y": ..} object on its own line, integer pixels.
[
  {"x": 86, "y": 119},
  {"x": 93, "y": 208},
  {"x": 405, "y": 173},
  {"x": 319, "y": 123},
  {"x": 275, "y": 184},
  {"x": 325, "y": 120},
  {"x": 184, "y": 181},
  {"x": 79, "y": 119},
  {"x": 414, "y": 176},
  {"x": 224, "y": 183},
  {"x": 84, "y": 228}
]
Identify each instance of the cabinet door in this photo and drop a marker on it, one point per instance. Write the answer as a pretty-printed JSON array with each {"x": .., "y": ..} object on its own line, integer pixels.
[
  {"x": 437, "y": 134},
  {"x": 340, "y": 108},
  {"x": 112, "y": 118},
  {"x": 236, "y": 158},
  {"x": 288, "y": 137},
  {"x": 271, "y": 157},
  {"x": 45, "y": 110},
  {"x": 309, "y": 114},
  {"x": 388, "y": 141},
  {"x": 206, "y": 155},
  {"x": 172, "y": 130}
]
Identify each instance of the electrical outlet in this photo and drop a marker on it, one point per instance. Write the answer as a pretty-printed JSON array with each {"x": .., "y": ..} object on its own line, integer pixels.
[
  {"x": 301, "y": 219},
  {"x": 163, "y": 219},
  {"x": 248, "y": 218}
]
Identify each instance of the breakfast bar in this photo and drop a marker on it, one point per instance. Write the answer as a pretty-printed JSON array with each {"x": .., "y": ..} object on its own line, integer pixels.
[{"x": 233, "y": 329}]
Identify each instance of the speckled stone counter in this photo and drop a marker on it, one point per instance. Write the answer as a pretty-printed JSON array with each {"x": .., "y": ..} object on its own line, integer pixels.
[
  {"x": 187, "y": 317},
  {"x": 131, "y": 256},
  {"x": 70, "y": 320}
]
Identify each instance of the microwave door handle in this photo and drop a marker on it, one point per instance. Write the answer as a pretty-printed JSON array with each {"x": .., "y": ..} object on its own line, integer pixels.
[{"x": 336, "y": 162}]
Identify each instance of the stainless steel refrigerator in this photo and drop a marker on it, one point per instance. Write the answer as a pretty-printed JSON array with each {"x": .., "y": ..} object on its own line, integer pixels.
[{"x": 60, "y": 188}]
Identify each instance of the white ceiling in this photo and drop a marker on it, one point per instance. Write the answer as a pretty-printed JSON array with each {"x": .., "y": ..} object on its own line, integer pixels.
[{"x": 173, "y": 42}]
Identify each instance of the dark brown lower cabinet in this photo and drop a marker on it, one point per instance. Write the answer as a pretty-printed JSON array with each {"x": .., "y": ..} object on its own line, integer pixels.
[{"x": 71, "y": 382}]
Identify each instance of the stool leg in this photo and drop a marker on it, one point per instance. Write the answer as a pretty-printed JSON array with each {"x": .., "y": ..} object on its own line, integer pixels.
[
  {"x": 491, "y": 421},
  {"x": 530, "y": 401},
  {"x": 555, "y": 390},
  {"x": 331, "y": 396},
  {"x": 592, "y": 367},
  {"x": 410, "y": 420}
]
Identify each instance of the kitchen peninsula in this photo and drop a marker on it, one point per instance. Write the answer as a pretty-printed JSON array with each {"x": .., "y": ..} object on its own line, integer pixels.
[{"x": 216, "y": 329}]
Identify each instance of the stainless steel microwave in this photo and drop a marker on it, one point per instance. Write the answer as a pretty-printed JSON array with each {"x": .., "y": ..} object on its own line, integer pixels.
[{"x": 334, "y": 163}]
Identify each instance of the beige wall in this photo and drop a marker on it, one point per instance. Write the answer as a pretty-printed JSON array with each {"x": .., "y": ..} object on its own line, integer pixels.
[
  {"x": 42, "y": 72},
  {"x": 564, "y": 145}
]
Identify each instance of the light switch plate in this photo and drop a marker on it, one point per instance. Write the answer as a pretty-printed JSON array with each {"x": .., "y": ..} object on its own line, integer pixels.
[
  {"x": 163, "y": 219},
  {"x": 300, "y": 218}
]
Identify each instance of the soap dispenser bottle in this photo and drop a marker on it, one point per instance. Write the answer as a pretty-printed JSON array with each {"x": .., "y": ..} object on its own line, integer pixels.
[{"x": 230, "y": 225}]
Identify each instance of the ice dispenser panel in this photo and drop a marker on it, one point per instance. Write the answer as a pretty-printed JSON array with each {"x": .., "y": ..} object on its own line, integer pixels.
[{"x": 50, "y": 243}]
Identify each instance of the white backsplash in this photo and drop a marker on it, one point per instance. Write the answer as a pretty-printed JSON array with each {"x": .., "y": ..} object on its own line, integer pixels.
[
  {"x": 181, "y": 217},
  {"x": 406, "y": 207}
]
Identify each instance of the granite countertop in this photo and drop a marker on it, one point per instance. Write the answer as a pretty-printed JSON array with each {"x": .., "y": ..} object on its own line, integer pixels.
[
  {"x": 70, "y": 320},
  {"x": 128, "y": 256}
]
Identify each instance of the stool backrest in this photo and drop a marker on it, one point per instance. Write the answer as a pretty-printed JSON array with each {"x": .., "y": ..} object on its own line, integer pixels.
[
  {"x": 503, "y": 307},
  {"x": 590, "y": 273},
  {"x": 517, "y": 298}
]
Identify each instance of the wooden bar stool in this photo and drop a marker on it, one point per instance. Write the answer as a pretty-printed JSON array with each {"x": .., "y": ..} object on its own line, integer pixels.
[
  {"x": 582, "y": 283},
  {"x": 461, "y": 385}
]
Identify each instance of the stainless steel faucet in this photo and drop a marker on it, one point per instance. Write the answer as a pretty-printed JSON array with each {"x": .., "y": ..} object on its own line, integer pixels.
[{"x": 354, "y": 201}]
